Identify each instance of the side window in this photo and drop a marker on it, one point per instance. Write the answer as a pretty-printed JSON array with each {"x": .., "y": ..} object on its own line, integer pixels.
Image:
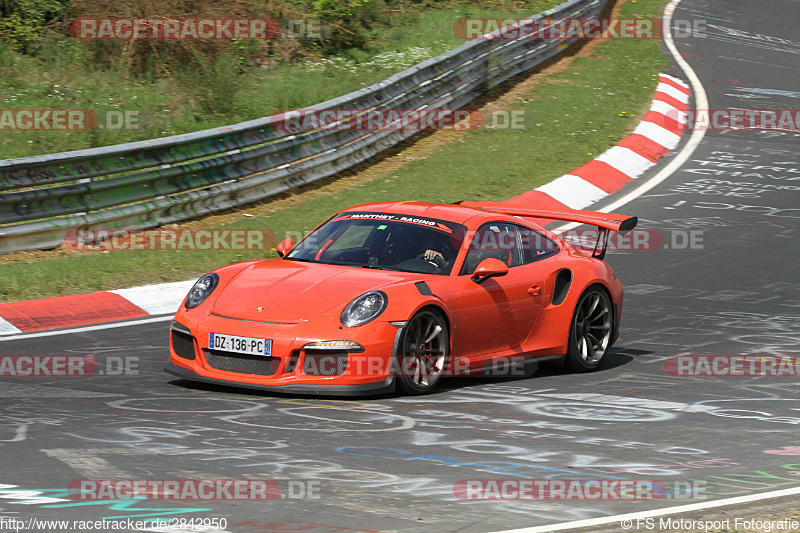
[
  {"x": 497, "y": 240},
  {"x": 534, "y": 246},
  {"x": 512, "y": 244}
]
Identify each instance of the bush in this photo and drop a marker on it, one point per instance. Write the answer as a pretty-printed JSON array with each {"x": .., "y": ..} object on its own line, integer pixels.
[{"x": 22, "y": 21}]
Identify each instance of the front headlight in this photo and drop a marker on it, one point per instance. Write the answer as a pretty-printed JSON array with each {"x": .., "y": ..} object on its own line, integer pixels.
[
  {"x": 364, "y": 308},
  {"x": 201, "y": 290}
]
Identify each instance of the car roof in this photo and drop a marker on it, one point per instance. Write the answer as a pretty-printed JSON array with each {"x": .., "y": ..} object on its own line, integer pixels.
[{"x": 451, "y": 212}]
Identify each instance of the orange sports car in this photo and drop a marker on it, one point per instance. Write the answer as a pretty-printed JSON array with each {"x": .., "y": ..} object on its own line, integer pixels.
[{"x": 398, "y": 295}]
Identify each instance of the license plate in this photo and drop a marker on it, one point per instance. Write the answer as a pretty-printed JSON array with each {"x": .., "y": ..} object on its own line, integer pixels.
[{"x": 234, "y": 343}]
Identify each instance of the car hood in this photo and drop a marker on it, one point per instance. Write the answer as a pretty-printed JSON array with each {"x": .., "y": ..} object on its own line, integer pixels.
[{"x": 281, "y": 290}]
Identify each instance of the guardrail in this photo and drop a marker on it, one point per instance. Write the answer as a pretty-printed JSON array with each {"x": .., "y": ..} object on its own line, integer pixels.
[{"x": 146, "y": 184}]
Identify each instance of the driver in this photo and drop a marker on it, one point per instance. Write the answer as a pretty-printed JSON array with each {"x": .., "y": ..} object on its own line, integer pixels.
[
  {"x": 435, "y": 251},
  {"x": 415, "y": 243},
  {"x": 432, "y": 256}
]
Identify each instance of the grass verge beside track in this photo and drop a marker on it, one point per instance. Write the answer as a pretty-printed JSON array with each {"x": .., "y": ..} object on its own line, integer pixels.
[
  {"x": 202, "y": 95},
  {"x": 578, "y": 112}
]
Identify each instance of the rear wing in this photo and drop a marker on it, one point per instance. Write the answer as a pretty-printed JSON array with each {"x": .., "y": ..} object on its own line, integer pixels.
[{"x": 606, "y": 222}]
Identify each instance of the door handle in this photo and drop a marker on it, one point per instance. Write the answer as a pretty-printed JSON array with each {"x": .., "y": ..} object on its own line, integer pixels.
[{"x": 535, "y": 289}]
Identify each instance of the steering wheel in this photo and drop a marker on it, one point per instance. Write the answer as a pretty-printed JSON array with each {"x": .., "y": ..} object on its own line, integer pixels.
[{"x": 438, "y": 261}]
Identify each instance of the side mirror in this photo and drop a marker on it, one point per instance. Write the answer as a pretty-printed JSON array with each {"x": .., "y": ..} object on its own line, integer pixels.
[
  {"x": 489, "y": 268},
  {"x": 284, "y": 246}
]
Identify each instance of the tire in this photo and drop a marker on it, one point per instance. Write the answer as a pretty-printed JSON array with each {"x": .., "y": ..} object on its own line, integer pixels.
[
  {"x": 590, "y": 331},
  {"x": 423, "y": 352}
]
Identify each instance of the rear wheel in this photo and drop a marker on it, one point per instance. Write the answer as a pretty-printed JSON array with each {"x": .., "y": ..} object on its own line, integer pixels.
[
  {"x": 590, "y": 331},
  {"x": 423, "y": 351}
]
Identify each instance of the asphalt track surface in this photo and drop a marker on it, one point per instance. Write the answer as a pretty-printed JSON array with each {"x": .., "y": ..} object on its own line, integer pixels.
[{"x": 390, "y": 464}]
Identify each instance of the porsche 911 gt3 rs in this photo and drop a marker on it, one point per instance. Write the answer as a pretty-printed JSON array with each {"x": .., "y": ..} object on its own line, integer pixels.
[{"x": 400, "y": 294}]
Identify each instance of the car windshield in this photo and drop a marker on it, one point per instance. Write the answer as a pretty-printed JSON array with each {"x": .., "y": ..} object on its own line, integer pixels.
[{"x": 384, "y": 241}]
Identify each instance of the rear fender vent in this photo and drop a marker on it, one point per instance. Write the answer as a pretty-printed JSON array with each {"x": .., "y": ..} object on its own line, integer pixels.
[{"x": 561, "y": 286}]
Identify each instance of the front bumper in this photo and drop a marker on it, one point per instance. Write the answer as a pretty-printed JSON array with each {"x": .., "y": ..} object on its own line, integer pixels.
[
  {"x": 382, "y": 387},
  {"x": 293, "y": 367}
]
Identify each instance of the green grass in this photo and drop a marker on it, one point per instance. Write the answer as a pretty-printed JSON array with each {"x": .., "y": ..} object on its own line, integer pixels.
[
  {"x": 200, "y": 95},
  {"x": 579, "y": 113}
]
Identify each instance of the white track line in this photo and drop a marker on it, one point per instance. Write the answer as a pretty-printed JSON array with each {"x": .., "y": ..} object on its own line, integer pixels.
[
  {"x": 86, "y": 328},
  {"x": 700, "y": 102},
  {"x": 686, "y": 151}
]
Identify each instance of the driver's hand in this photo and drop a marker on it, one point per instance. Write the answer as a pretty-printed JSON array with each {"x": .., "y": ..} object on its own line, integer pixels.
[{"x": 430, "y": 255}]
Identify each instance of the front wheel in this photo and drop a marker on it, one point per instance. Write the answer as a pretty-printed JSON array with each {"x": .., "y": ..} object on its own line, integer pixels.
[
  {"x": 590, "y": 331},
  {"x": 422, "y": 352}
]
